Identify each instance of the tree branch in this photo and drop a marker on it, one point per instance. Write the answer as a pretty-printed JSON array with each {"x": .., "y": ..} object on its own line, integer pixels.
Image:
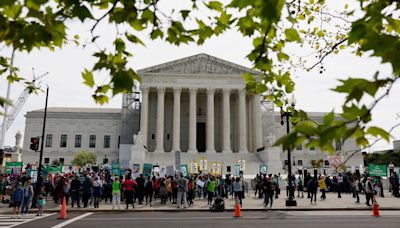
[
  {"x": 354, "y": 152},
  {"x": 263, "y": 44},
  {"x": 102, "y": 17},
  {"x": 327, "y": 53}
]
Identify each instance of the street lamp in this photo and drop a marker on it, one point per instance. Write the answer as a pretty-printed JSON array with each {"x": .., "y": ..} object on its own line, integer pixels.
[{"x": 290, "y": 201}]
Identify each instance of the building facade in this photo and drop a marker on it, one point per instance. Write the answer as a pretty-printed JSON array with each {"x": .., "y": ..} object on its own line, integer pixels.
[
  {"x": 196, "y": 107},
  {"x": 70, "y": 130}
]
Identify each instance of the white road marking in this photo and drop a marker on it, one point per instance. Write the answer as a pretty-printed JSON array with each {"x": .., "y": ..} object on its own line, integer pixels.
[
  {"x": 7, "y": 222},
  {"x": 69, "y": 221}
]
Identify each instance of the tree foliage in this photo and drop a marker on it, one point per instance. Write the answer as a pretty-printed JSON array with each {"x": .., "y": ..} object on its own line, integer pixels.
[
  {"x": 368, "y": 28},
  {"x": 83, "y": 158},
  {"x": 383, "y": 159}
]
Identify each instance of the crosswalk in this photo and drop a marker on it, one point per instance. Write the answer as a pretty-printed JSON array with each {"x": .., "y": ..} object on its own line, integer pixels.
[{"x": 6, "y": 221}]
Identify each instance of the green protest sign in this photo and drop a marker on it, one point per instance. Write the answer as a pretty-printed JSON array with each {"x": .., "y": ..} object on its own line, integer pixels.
[
  {"x": 264, "y": 169},
  {"x": 55, "y": 169},
  {"x": 116, "y": 169},
  {"x": 147, "y": 169},
  {"x": 14, "y": 168},
  {"x": 377, "y": 170}
]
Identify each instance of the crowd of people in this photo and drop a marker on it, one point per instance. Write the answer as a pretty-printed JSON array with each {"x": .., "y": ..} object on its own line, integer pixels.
[
  {"x": 268, "y": 186},
  {"x": 95, "y": 188}
]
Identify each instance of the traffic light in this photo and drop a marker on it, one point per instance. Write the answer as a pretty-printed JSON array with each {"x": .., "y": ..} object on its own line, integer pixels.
[{"x": 35, "y": 143}]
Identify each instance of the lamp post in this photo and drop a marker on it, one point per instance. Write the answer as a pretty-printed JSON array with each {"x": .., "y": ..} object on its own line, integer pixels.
[{"x": 290, "y": 201}]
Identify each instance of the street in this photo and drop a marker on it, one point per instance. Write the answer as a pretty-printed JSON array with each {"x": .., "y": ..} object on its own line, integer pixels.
[{"x": 281, "y": 219}]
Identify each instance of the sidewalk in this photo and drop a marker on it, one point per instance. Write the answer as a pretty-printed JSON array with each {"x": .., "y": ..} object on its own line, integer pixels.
[{"x": 250, "y": 203}]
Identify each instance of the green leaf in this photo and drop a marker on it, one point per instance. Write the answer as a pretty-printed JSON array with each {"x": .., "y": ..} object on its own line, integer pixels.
[
  {"x": 88, "y": 78},
  {"x": 247, "y": 77},
  {"x": 377, "y": 131},
  {"x": 215, "y": 5},
  {"x": 185, "y": 14},
  {"x": 119, "y": 44},
  {"x": 134, "y": 39},
  {"x": 82, "y": 12},
  {"x": 307, "y": 127},
  {"x": 292, "y": 35}
]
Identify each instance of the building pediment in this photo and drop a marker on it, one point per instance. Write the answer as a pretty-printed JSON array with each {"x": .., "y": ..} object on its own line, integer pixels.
[{"x": 198, "y": 64}]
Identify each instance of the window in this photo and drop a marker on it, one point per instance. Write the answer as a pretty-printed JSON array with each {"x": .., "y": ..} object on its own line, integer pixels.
[
  {"x": 326, "y": 163},
  {"x": 92, "y": 141},
  {"x": 78, "y": 141},
  {"x": 286, "y": 162},
  {"x": 63, "y": 141},
  {"x": 107, "y": 141},
  {"x": 312, "y": 148},
  {"x": 338, "y": 145},
  {"x": 299, "y": 147},
  {"x": 49, "y": 140},
  {"x": 300, "y": 162}
]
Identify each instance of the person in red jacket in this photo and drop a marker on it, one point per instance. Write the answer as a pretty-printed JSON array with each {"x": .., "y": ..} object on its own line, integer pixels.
[{"x": 129, "y": 189}]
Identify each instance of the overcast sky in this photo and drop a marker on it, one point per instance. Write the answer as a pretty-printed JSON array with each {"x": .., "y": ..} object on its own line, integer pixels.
[{"x": 66, "y": 88}]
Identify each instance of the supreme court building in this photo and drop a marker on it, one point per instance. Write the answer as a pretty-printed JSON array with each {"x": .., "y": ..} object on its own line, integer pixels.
[{"x": 197, "y": 106}]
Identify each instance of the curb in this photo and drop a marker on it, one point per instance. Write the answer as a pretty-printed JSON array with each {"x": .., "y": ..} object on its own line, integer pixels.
[{"x": 228, "y": 210}]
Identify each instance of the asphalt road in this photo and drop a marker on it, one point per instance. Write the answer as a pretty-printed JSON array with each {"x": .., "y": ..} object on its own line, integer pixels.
[{"x": 270, "y": 219}]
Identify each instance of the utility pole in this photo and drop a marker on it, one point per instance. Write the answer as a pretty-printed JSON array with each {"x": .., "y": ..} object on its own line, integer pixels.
[{"x": 39, "y": 179}]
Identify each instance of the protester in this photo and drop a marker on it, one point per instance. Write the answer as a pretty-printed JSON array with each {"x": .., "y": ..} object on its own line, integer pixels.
[
  {"x": 129, "y": 186},
  {"x": 322, "y": 187},
  {"x": 97, "y": 186},
  {"x": 149, "y": 190},
  {"x": 16, "y": 200},
  {"x": 75, "y": 194},
  {"x": 41, "y": 201},
  {"x": 28, "y": 195},
  {"x": 369, "y": 191},
  {"x": 237, "y": 189},
  {"x": 116, "y": 194},
  {"x": 312, "y": 187},
  {"x": 86, "y": 189},
  {"x": 182, "y": 184},
  {"x": 211, "y": 189},
  {"x": 300, "y": 187},
  {"x": 356, "y": 188}
]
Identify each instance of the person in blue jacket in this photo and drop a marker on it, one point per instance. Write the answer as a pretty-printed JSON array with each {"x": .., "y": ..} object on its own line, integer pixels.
[{"x": 16, "y": 199}]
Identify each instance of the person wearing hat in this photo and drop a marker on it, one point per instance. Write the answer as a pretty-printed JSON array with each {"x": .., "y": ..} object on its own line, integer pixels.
[{"x": 369, "y": 191}]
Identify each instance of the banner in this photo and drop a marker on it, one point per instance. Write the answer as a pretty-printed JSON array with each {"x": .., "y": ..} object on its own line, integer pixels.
[
  {"x": 147, "y": 169},
  {"x": 203, "y": 164},
  {"x": 56, "y": 169},
  {"x": 184, "y": 170},
  {"x": 14, "y": 168},
  {"x": 377, "y": 170},
  {"x": 135, "y": 171},
  {"x": 116, "y": 169},
  {"x": 216, "y": 168},
  {"x": 264, "y": 169},
  {"x": 170, "y": 170},
  {"x": 163, "y": 171},
  {"x": 242, "y": 164},
  {"x": 156, "y": 169},
  {"x": 193, "y": 168},
  {"x": 33, "y": 174},
  {"x": 236, "y": 170}
]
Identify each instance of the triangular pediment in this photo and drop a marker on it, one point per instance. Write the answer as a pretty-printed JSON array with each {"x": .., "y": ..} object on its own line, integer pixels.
[{"x": 198, "y": 64}]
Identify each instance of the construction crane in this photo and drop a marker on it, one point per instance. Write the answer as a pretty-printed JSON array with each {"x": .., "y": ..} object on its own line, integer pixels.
[{"x": 9, "y": 119}]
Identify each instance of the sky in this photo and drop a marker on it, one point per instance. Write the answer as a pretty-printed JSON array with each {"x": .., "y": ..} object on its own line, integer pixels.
[{"x": 67, "y": 90}]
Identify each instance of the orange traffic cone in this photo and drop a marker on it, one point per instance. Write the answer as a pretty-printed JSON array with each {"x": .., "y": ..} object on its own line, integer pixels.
[
  {"x": 237, "y": 209},
  {"x": 63, "y": 211},
  {"x": 375, "y": 208}
]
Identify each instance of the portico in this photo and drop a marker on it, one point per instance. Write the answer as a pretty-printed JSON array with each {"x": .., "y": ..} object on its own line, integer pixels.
[{"x": 199, "y": 104}]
